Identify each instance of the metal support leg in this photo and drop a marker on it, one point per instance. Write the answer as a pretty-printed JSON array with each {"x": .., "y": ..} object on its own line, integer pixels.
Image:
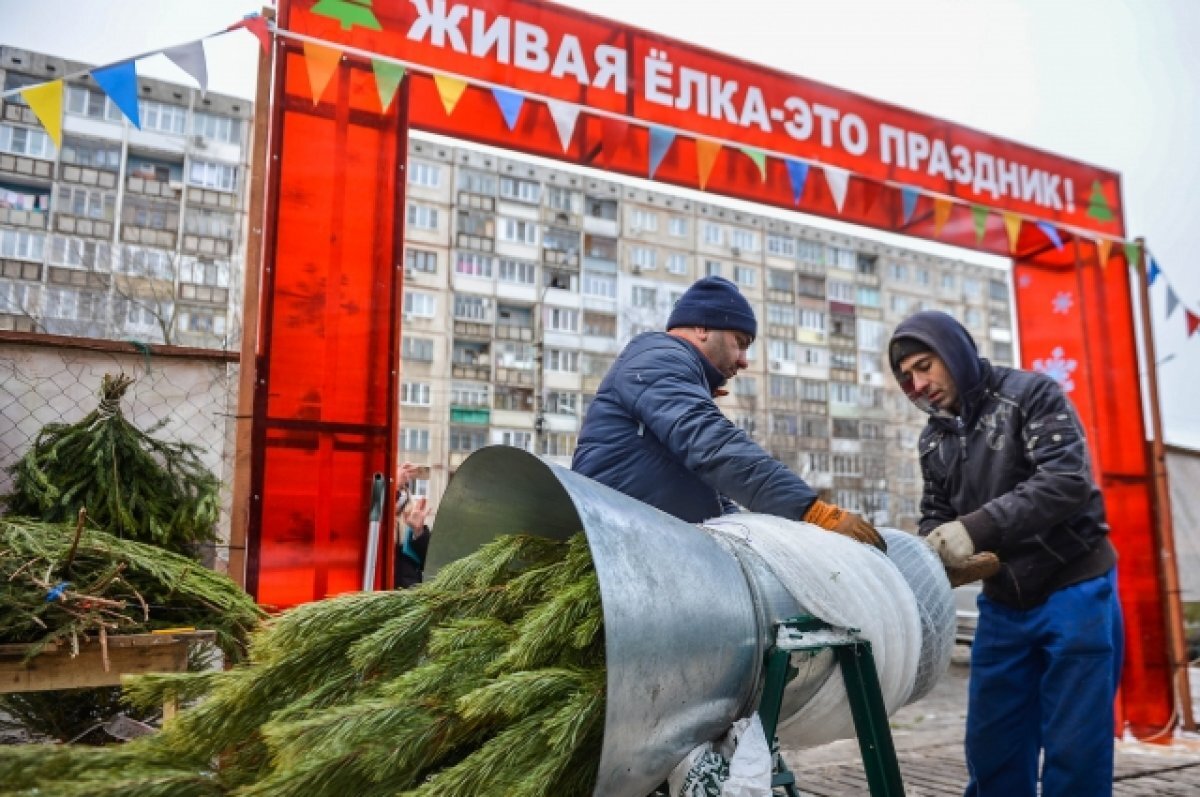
[{"x": 870, "y": 719}]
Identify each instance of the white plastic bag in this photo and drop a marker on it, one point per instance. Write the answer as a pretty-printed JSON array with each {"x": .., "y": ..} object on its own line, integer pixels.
[
  {"x": 699, "y": 774},
  {"x": 737, "y": 765}
]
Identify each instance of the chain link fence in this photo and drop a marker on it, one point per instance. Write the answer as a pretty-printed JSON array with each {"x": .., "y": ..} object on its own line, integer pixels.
[{"x": 193, "y": 392}]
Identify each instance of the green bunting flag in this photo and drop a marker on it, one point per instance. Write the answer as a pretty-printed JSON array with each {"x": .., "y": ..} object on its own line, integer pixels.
[
  {"x": 979, "y": 215},
  {"x": 387, "y": 80}
]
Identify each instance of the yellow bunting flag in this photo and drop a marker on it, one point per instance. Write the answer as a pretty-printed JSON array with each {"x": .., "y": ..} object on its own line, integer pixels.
[
  {"x": 941, "y": 213},
  {"x": 1012, "y": 224},
  {"x": 450, "y": 89},
  {"x": 707, "y": 151},
  {"x": 322, "y": 62},
  {"x": 45, "y": 100},
  {"x": 1103, "y": 250}
]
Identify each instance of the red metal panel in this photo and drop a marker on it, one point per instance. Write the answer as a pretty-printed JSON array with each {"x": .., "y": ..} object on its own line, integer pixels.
[
  {"x": 1076, "y": 322},
  {"x": 326, "y": 407}
]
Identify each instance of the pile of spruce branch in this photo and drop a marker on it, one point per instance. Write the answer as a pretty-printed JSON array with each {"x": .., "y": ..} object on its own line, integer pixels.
[
  {"x": 487, "y": 680},
  {"x": 131, "y": 483}
]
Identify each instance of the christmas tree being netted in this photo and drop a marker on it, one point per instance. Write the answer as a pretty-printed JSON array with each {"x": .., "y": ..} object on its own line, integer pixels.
[{"x": 132, "y": 484}]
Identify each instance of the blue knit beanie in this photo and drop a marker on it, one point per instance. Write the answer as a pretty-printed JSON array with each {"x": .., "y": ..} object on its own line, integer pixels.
[{"x": 714, "y": 303}]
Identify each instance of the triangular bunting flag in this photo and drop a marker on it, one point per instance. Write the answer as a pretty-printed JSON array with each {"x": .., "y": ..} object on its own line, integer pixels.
[
  {"x": 1133, "y": 254},
  {"x": 979, "y": 215},
  {"x": 322, "y": 62},
  {"x": 798, "y": 174},
  {"x": 760, "y": 160},
  {"x": 908, "y": 202},
  {"x": 387, "y": 80},
  {"x": 565, "y": 116},
  {"x": 256, "y": 24},
  {"x": 1193, "y": 322},
  {"x": 45, "y": 100},
  {"x": 1098, "y": 207},
  {"x": 839, "y": 180},
  {"x": 510, "y": 103},
  {"x": 941, "y": 214},
  {"x": 119, "y": 82},
  {"x": 1103, "y": 250},
  {"x": 1154, "y": 272},
  {"x": 1172, "y": 301},
  {"x": 660, "y": 142},
  {"x": 707, "y": 151},
  {"x": 1012, "y": 225},
  {"x": 1052, "y": 233},
  {"x": 190, "y": 58},
  {"x": 450, "y": 89}
]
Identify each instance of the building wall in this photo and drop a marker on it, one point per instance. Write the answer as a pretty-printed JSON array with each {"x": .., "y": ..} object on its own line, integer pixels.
[
  {"x": 122, "y": 233},
  {"x": 524, "y": 281}
]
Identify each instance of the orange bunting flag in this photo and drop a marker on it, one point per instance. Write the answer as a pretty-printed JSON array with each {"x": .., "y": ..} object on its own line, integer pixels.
[
  {"x": 941, "y": 213},
  {"x": 45, "y": 100},
  {"x": 1103, "y": 250},
  {"x": 450, "y": 89},
  {"x": 1012, "y": 224},
  {"x": 322, "y": 62},
  {"x": 707, "y": 151}
]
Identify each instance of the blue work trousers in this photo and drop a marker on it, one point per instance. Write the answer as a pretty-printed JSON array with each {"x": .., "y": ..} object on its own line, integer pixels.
[{"x": 1044, "y": 680}]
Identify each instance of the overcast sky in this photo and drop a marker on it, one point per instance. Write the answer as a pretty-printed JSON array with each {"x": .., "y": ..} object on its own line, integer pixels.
[{"x": 1115, "y": 83}]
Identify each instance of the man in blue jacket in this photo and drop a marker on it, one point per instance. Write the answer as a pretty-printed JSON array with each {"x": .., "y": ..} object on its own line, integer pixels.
[
  {"x": 655, "y": 433},
  {"x": 1007, "y": 471}
]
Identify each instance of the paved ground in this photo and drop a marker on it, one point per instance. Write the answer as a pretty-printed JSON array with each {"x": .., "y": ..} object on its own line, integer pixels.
[{"x": 928, "y": 736}]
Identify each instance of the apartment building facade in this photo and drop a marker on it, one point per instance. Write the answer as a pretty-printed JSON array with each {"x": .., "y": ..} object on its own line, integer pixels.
[
  {"x": 523, "y": 282},
  {"x": 122, "y": 233}
]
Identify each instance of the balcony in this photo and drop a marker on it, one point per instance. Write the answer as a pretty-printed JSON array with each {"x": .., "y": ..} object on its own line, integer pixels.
[
  {"x": 12, "y": 111},
  {"x": 208, "y": 294},
  {"x": 471, "y": 371},
  {"x": 511, "y": 332},
  {"x": 476, "y": 243},
  {"x": 206, "y": 197},
  {"x": 80, "y": 225},
  {"x": 154, "y": 188},
  {"x": 26, "y": 167},
  {"x": 20, "y": 269},
  {"x": 467, "y": 199},
  {"x": 16, "y": 217},
  {"x": 205, "y": 245},
  {"x": 561, "y": 258},
  {"x": 89, "y": 175},
  {"x": 148, "y": 236},
  {"x": 519, "y": 377},
  {"x": 79, "y": 278},
  {"x": 470, "y": 416},
  {"x": 472, "y": 330}
]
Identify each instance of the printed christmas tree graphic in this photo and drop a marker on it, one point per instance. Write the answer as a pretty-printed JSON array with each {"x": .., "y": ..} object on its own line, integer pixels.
[{"x": 1098, "y": 207}]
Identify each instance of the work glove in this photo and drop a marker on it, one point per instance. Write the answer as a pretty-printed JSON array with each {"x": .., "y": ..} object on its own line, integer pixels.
[
  {"x": 951, "y": 542},
  {"x": 833, "y": 518},
  {"x": 977, "y": 567}
]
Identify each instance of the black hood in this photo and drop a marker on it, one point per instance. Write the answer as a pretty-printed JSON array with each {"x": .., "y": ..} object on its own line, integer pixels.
[{"x": 948, "y": 339}]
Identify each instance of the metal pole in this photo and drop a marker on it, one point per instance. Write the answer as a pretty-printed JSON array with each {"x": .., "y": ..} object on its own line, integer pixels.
[{"x": 1163, "y": 527}]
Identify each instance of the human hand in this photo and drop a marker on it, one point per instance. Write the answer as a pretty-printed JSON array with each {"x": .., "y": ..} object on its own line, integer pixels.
[
  {"x": 857, "y": 527},
  {"x": 405, "y": 473},
  {"x": 417, "y": 512},
  {"x": 977, "y": 567},
  {"x": 951, "y": 542}
]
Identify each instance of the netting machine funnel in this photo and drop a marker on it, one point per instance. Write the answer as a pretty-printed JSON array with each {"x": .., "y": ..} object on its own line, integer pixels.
[{"x": 686, "y": 620}]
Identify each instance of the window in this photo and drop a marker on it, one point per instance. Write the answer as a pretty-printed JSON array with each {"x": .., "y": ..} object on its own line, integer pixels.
[
  {"x": 466, "y": 439},
  {"x": 677, "y": 226},
  {"x": 472, "y": 264},
  {"x": 420, "y": 260},
  {"x": 417, "y": 349},
  {"x": 871, "y": 334},
  {"x": 971, "y": 288},
  {"x": 813, "y": 390},
  {"x": 643, "y": 258},
  {"x": 812, "y": 319},
  {"x": 899, "y": 304},
  {"x": 784, "y": 245},
  {"x": 134, "y": 260},
  {"x": 645, "y": 297},
  {"x": 414, "y": 439},
  {"x": 745, "y": 240},
  {"x": 922, "y": 276},
  {"x": 869, "y": 297},
  {"x": 421, "y": 305},
  {"x": 602, "y": 208},
  {"x": 745, "y": 276},
  {"x": 562, "y": 403},
  {"x": 841, "y": 291},
  {"x": 783, "y": 423},
  {"x": 899, "y": 272},
  {"x": 810, "y": 286},
  {"x": 810, "y": 252},
  {"x": 599, "y": 325},
  {"x": 517, "y": 271},
  {"x": 949, "y": 281},
  {"x": 558, "y": 444},
  {"x": 85, "y": 102},
  {"x": 714, "y": 234},
  {"x": 843, "y": 392},
  {"x": 222, "y": 128},
  {"x": 476, "y": 182},
  {"x": 595, "y": 364},
  {"x": 204, "y": 272},
  {"x": 844, "y": 359},
  {"x": 415, "y": 393},
  {"x": 221, "y": 176},
  {"x": 867, "y": 265},
  {"x": 471, "y": 308},
  {"x": 997, "y": 290},
  {"x": 745, "y": 386},
  {"x": 781, "y": 350},
  {"x": 784, "y": 387},
  {"x": 514, "y": 438},
  {"x": 712, "y": 268},
  {"x": 76, "y": 200},
  {"x": 643, "y": 220},
  {"x": 21, "y": 244},
  {"x": 600, "y": 285},
  {"x": 518, "y": 231},
  {"x": 814, "y": 356},
  {"x": 560, "y": 319},
  {"x": 97, "y": 154},
  {"x": 162, "y": 118},
  {"x": 76, "y": 305},
  {"x": 677, "y": 263},
  {"x": 422, "y": 217},
  {"x": 205, "y": 323},
  {"x": 563, "y": 360},
  {"x": 1002, "y": 352},
  {"x": 783, "y": 314},
  {"x": 843, "y": 258},
  {"x": 559, "y": 198},
  {"x": 521, "y": 190},
  {"x": 469, "y": 394},
  {"x": 426, "y": 175},
  {"x": 207, "y": 222},
  {"x": 25, "y": 141},
  {"x": 973, "y": 317}
]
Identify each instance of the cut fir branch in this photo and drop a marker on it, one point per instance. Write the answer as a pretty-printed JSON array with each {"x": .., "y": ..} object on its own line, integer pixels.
[{"x": 131, "y": 483}]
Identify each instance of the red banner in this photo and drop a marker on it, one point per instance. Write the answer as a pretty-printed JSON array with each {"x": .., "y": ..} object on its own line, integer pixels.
[{"x": 546, "y": 51}]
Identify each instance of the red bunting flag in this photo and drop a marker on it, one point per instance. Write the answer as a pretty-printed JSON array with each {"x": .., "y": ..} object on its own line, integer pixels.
[{"x": 1193, "y": 322}]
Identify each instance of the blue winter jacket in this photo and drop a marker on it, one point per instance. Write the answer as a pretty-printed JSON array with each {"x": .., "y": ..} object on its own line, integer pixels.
[{"x": 654, "y": 432}]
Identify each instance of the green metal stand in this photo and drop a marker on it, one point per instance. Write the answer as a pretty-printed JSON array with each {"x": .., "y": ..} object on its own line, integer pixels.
[{"x": 862, "y": 690}]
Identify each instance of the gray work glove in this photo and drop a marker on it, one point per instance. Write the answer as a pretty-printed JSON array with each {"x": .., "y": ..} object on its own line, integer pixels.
[
  {"x": 951, "y": 542},
  {"x": 979, "y": 567}
]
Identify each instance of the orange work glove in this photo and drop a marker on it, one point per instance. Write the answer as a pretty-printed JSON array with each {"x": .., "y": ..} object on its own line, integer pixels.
[
  {"x": 833, "y": 518},
  {"x": 976, "y": 568}
]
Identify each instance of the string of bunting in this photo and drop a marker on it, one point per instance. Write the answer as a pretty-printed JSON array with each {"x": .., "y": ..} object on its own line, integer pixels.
[
  {"x": 322, "y": 58},
  {"x": 1191, "y": 319}
]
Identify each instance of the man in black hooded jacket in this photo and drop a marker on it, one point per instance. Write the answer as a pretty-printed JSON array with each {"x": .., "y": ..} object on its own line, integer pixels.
[{"x": 1007, "y": 471}]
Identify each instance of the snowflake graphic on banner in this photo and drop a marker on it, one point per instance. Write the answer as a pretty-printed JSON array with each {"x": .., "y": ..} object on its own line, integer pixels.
[
  {"x": 1058, "y": 368},
  {"x": 1062, "y": 302},
  {"x": 1024, "y": 281}
]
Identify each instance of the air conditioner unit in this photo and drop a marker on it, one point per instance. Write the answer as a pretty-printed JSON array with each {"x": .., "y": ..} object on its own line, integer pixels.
[
  {"x": 635, "y": 270},
  {"x": 199, "y": 142},
  {"x": 735, "y": 251}
]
